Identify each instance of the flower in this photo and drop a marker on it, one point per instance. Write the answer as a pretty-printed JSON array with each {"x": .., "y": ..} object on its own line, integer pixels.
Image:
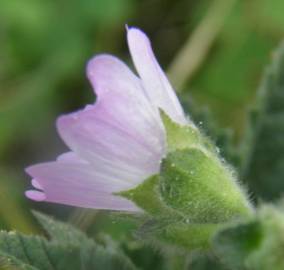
[{"x": 116, "y": 143}]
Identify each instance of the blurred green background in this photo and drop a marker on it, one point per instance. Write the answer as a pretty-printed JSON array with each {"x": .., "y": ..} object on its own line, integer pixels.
[{"x": 45, "y": 44}]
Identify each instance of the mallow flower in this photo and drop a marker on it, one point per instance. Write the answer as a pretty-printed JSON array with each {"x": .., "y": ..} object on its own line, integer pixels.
[{"x": 116, "y": 143}]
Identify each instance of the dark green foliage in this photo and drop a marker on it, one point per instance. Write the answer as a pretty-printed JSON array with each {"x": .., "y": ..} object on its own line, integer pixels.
[
  {"x": 264, "y": 147},
  {"x": 204, "y": 262},
  {"x": 255, "y": 244},
  {"x": 59, "y": 231},
  {"x": 222, "y": 138},
  {"x": 38, "y": 253},
  {"x": 234, "y": 244},
  {"x": 67, "y": 248},
  {"x": 259, "y": 156}
]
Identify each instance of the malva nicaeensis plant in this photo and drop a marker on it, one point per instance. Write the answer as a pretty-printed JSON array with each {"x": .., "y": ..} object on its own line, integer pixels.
[
  {"x": 135, "y": 151},
  {"x": 136, "y": 137}
]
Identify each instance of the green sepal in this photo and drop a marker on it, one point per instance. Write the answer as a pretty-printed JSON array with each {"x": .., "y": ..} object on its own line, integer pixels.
[
  {"x": 166, "y": 227},
  {"x": 179, "y": 235},
  {"x": 183, "y": 136},
  {"x": 254, "y": 244},
  {"x": 201, "y": 187},
  {"x": 186, "y": 236},
  {"x": 147, "y": 196}
]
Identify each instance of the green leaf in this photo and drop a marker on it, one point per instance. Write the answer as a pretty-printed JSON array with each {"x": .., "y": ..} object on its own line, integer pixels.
[
  {"x": 255, "y": 244},
  {"x": 206, "y": 262},
  {"x": 222, "y": 137},
  {"x": 37, "y": 252},
  {"x": 59, "y": 231},
  {"x": 234, "y": 244},
  {"x": 104, "y": 257},
  {"x": 8, "y": 262},
  {"x": 263, "y": 148},
  {"x": 68, "y": 248}
]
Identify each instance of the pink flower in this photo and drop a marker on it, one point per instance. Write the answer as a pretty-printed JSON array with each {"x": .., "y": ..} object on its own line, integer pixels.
[{"x": 116, "y": 143}]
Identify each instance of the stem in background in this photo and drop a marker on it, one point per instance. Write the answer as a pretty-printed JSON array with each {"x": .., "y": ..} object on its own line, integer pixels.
[
  {"x": 82, "y": 218},
  {"x": 192, "y": 54},
  {"x": 176, "y": 261},
  {"x": 11, "y": 211}
]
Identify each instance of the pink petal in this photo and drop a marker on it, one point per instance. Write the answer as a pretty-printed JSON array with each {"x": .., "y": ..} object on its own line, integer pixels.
[
  {"x": 122, "y": 99},
  {"x": 35, "y": 195},
  {"x": 153, "y": 78},
  {"x": 70, "y": 157},
  {"x": 122, "y": 134},
  {"x": 79, "y": 185},
  {"x": 110, "y": 150},
  {"x": 36, "y": 184},
  {"x": 109, "y": 74}
]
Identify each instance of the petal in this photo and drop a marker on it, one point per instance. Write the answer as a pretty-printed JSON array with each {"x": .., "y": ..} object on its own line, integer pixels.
[
  {"x": 77, "y": 184},
  {"x": 35, "y": 195},
  {"x": 111, "y": 148},
  {"x": 109, "y": 74},
  {"x": 153, "y": 78},
  {"x": 121, "y": 97},
  {"x": 36, "y": 184},
  {"x": 122, "y": 133},
  {"x": 70, "y": 157}
]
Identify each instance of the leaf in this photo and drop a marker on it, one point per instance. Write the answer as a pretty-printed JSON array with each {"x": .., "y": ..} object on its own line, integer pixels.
[
  {"x": 264, "y": 144},
  {"x": 67, "y": 248},
  {"x": 37, "y": 252},
  {"x": 254, "y": 244},
  {"x": 234, "y": 244},
  {"x": 205, "y": 262},
  {"x": 222, "y": 137},
  {"x": 59, "y": 231}
]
